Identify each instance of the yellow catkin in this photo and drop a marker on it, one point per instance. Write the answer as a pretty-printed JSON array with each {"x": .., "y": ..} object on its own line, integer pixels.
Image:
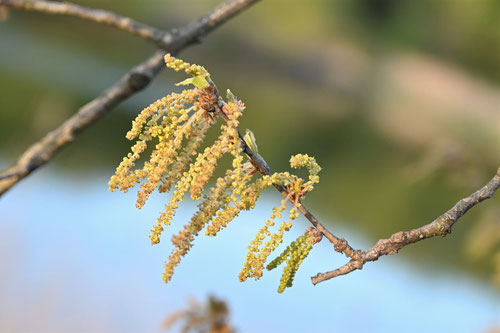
[
  {"x": 260, "y": 248},
  {"x": 166, "y": 217},
  {"x": 304, "y": 160},
  {"x": 206, "y": 211},
  {"x": 239, "y": 179},
  {"x": 294, "y": 255},
  {"x": 207, "y": 161},
  {"x": 204, "y": 167},
  {"x": 195, "y": 139},
  {"x": 180, "y": 65},
  {"x": 173, "y": 106},
  {"x": 165, "y": 155},
  {"x": 257, "y": 254}
]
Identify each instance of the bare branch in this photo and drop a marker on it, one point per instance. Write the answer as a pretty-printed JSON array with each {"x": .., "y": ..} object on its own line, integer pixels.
[
  {"x": 135, "y": 80},
  {"x": 196, "y": 31},
  {"x": 168, "y": 41},
  {"x": 95, "y": 15},
  {"x": 44, "y": 150},
  {"x": 439, "y": 227}
]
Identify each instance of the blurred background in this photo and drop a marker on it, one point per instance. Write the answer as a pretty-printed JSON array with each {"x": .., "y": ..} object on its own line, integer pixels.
[{"x": 399, "y": 101}]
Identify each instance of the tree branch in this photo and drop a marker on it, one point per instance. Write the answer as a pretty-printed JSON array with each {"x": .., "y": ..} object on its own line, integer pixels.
[
  {"x": 44, "y": 150},
  {"x": 133, "y": 81},
  {"x": 439, "y": 227},
  {"x": 166, "y": 40},
  {"x": 340, "y": 244},
  {"x": 196, "y": 31},
  {"x": 90, "y": 14}
]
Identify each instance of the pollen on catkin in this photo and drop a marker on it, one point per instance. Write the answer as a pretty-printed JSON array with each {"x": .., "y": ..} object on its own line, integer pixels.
[
  {"x": 294, "y": 254},
  {"x": 173, "y": 130},
  {"x": 212, "y": 203},
  {"x": 265, "y": 242}
]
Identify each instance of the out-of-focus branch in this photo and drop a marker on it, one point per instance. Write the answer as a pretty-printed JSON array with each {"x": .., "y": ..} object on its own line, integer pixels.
[
  {"x": 167, "y": 40},
  {"x": 196, "y": 31},
  {"x": 133, "y": 81},
  {"x": 44, "y": 150},
  {"x": 91, "y": 14},
  {"x": 439, "y": 227}
]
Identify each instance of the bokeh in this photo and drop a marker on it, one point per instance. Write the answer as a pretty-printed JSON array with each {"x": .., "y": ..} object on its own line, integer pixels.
[{"x": 399, "y": 101}]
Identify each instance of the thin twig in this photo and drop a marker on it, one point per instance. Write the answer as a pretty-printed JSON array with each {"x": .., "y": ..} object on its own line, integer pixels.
[
  {"x": 133, "y": 81},
  {"x": 439, "y": 227},
  {"x": 340, "y": 244}
]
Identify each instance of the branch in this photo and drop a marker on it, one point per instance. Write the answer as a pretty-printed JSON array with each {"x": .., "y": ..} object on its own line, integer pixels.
[
  {"x": 439, "y": 227},
  {"x": 196, "y": 31},
  {"x": 90, "y": 14},
  {"x": 340, "y": 244},
  {"x": 133, "y": 81},
  {"x": 44, "y": 150},
  {"x": 168, "y": 41}
]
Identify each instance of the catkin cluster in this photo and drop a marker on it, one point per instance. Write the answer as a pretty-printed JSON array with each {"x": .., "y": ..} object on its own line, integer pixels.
[
  {"x": 266, "y": 241},
  {"x": 174, "y": 129}
]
